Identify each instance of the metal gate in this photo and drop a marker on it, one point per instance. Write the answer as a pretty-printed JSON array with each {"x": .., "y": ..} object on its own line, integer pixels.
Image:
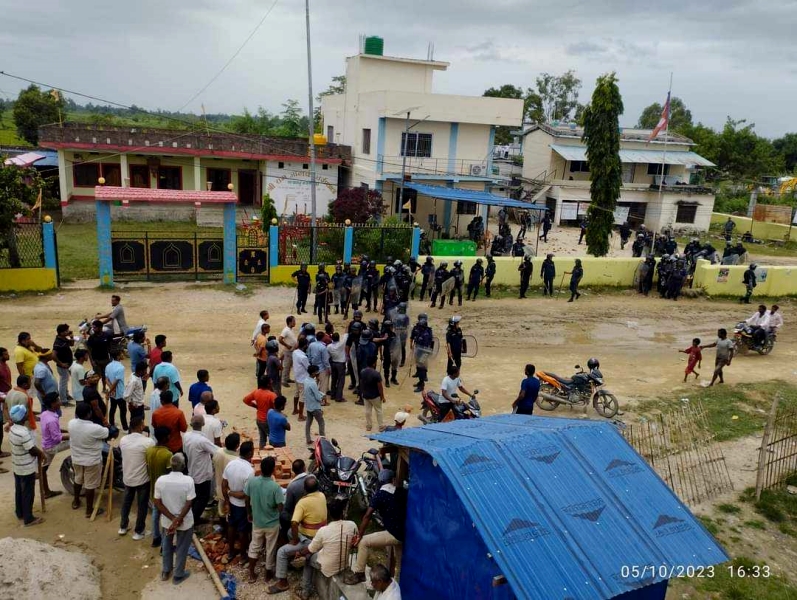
[
  {"x": 146, "y": 255},
  {"x": 252, "y": 254}
]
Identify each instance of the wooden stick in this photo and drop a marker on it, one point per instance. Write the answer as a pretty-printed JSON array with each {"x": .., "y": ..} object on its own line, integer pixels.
[
  {"x": 209, "y": 567},
  {"x": 41, "y": 486},
  {"x": 110, "y": 483},
  {"x": 98, "y": 501}
]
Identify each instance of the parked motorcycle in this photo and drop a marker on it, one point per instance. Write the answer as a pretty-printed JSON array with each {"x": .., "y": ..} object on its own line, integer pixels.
[
  {"x": 67, "y": 471},
  {"x": 744, "y": 342},
  {"x": 436, "y": 409},
  {"x": 368, "y": 479},
  {"x": 336, "y": 474},
  {"x": 579, "y": 390}
]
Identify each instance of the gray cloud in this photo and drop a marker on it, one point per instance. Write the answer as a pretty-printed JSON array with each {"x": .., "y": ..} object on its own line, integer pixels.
[{"x": 724, "y": 53}]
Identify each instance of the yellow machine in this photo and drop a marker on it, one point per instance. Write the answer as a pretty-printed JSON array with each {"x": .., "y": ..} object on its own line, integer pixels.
[{"x": 788, "y": 187}]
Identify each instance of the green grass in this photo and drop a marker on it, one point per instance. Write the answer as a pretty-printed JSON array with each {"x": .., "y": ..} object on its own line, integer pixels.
[
  {"x": 749, "y": 402},
  {"x": 777, "y": 506},
  {"x": 710, "y": 525},
  {"x": 728, "y": 508},
  {"x": 755, "y": 524},
  {"x": 725, "y": 586},
  {"x": 8, "y": 131}
]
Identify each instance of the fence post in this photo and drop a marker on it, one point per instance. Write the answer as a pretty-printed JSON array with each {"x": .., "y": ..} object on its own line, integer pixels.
[
  {"x": 313, "y": 243},
  {"x": 230, "y": 243},
  {"x": 48, "y": 242},
  {"x": 273, "y": 244},
  {"x": 103, "y": 210},
  {"x": 416, "y": 241},
  {"x": 762, "y": 453},
  {"x": 348, "y": 242}
]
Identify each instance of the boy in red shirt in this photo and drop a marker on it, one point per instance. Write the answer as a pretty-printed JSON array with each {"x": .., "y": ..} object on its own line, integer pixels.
[
  {"x": 694, "y": 360},
  {"x": 263, "y": 400}
]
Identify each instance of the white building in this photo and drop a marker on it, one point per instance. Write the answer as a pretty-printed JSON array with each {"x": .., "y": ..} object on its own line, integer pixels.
[
  {"x": 450, "y": 140},
  {"x": 556, "y": 172}
]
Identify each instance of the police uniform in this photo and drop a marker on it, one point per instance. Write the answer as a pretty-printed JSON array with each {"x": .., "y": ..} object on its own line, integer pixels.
[
  {"x": 459, "y": 278},
  {"x": 526, "y": 269},
  {"x": 422, "y": 337},
  {"x": 338, "y": 279},
  {"x": 548, "y": 274},
  {"x": 302, "y": 289},
  {"x": 474, "y": 280},
  {"x": 322, "y": 296},
  {"x": 440, "y": 275},
  {"x": 489, "y": 274},
  {"x": 427, "y": 271},
  {"x": 454, "y": 341}
]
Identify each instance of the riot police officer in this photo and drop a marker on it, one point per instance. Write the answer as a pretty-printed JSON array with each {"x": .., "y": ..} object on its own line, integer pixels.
[
  {"x": 302, "y": 280},
  {"x": 422, "y": 341},
  {"x": 440, "y": 275},
  {"x": 427, "y": 271},
  {"x": 548, "y": 274},
  {"x": 389, "y": 342},
  {"x": 475, "y": 279},
  {"x": 338, "y": 280},
  {"x": 459, "y": 278},
  {"x": 401, "y": 324},
  {"x": 454, "y": 342},
  {"x": 526, "y": 268},
  {"x": 321, "y": 306},
  {"x": 372, "y": 276},
  {"x": 489, "y": 275}
]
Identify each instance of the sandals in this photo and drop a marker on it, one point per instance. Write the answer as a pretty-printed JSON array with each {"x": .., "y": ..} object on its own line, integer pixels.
[
  {"x": 52, "y": 494},
  {"x": 35, "y": 522},
  {"x": 275, "y": 589}
]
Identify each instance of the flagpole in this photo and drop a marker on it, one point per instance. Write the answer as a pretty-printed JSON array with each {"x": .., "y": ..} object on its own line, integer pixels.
[{"x": 666, "y": 138}]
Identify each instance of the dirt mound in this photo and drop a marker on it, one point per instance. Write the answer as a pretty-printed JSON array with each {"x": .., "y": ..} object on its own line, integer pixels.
[{"x": 36, "y": 571}]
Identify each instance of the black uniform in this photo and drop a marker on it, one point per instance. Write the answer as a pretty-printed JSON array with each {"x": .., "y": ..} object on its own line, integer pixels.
[
  {"x": 526, "y": 269},
  {"x": 676, "y": 281},
  {"x": 575, "y": 279},
  {"x": 546, "y": 227},
  {"x": 625, "y": 233},
  {"x": 749, "y": 280},
  {"x": 427, "y": 271},
  {"x": 372, "y": 275},
  {"x": 489, "y": 276},
  {"x": 459, "y": 278},
  {"x": 302, "y": 289},
  {"x": 422, "y": 337},
  {"x": 454, "y": 341},
  {"x": 345, "y": 293},
  {"x": 389, "y": 368},
  {"x": 647, "y": 278},
  {"x": 338, "y": 279},
  {"x": 548, "y": 274},
  {"x": 322, "y": 297},
  {"x": 670, "y": 246},
  {"x": 474, "y": 280},
  {"x": 583, "y": 232},
  {"x": 440, "y": 275}
]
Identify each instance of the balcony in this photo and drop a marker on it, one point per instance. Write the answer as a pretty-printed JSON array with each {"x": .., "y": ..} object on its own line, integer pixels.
[
  {"x": 671, "y": 185},
  {"x": 473, "y": 167}
]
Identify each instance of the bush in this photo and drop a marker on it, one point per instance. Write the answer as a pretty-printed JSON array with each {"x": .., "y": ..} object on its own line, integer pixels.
[{"x": 357, "y": 204}]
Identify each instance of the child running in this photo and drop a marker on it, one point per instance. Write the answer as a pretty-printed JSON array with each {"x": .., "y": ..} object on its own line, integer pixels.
[{"x": 694, "y": 360}]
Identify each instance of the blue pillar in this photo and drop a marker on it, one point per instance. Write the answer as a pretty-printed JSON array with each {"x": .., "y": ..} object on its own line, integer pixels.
[
  {"x": 452, "y": 149},
  {"x": 348, "y": 244},
  {"x": 48, "y": 239},
  {"x": 416, "y": 241},
  {"x": 273, "y": 245},
  {"x": 230, "y": 243},
  {"x": 103, "y": 210},
  {"x": 490, "y": 148},
  {"x": 447, "y": 211},
  {"x": 380, "y": 145}
]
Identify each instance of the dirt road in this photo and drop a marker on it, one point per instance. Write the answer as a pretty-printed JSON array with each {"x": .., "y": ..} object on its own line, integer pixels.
[{"x": 635, "y": 339}]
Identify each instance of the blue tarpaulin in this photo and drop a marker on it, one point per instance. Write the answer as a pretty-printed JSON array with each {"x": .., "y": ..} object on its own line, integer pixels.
[{"x": 458, "y": 194}]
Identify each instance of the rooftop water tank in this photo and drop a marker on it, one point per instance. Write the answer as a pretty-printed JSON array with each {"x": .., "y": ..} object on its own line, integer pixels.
[{"x": 374, "y": 45}]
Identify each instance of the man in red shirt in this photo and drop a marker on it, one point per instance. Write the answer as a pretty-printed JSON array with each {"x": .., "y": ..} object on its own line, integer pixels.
[
  {"x": 5, "y": 387},
  {"x": 156, "y": 352},
  {"x": 168, "y": 415},
  {"x": 263, "y": 400}
]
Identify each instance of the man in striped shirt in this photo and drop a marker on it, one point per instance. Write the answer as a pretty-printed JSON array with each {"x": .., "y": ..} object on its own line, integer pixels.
[{"x": 25, "y": 457}]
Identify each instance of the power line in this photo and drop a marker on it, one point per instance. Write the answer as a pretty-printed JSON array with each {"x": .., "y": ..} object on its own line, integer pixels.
[{"x": 232, "y": 58}]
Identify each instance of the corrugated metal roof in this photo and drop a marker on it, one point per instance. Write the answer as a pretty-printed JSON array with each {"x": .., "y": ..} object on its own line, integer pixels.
[
  {"x": 673, "y": 157},
  {"x": 564, "y": 505},
  {"x": 447, "y": 193}
]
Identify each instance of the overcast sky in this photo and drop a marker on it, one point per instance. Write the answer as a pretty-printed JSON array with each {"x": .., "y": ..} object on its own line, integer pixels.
[{"x": 729, "y": 57}]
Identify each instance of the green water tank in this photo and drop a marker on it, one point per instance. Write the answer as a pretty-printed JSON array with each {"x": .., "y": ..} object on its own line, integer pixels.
[{"x": 374, "y": 45}]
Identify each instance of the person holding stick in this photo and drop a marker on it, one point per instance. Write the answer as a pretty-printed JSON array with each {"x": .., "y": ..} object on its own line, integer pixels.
[{"x": 86, "y": 441}]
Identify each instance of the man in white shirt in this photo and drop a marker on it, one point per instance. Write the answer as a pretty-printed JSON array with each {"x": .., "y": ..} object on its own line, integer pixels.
[
  {"x": 452, "y": 384},
  {"x": 223, "y": 457},
  {"x": 760, "y": 324},
  {"x": 287, "y": 341},
  {"x": 77, "y": 373},
  {"x": 385, "y": 586},
  {"x": 199, "y": 453},
  {"x": 213, "y": 425},
  {"x": 86, "y": 440},
  {"x": 260, "y": 322},
  {"x": 135, "y": 476},
  {"x": 174, "y": 493},
  {"x": 134, "y": 390},
  {"x": 300, "y": 365},
  {"x": 337, "y": 363},
  {"x": 233, "y": 480},
  {"x": 775, "y": 319}
]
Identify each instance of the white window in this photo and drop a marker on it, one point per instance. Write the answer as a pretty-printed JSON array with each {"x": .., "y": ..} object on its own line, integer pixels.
[{"x": 416, "y": 144}]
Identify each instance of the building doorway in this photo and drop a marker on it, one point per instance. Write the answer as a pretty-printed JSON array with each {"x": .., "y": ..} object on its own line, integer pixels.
[{"x": 247, "y": 187}]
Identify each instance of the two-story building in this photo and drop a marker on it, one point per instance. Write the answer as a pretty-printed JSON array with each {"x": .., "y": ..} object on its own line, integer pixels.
[
  {"x": 173, "y": 159},
  {"x": 556, "y": 172},
  {"x": 394, "y": 122}
]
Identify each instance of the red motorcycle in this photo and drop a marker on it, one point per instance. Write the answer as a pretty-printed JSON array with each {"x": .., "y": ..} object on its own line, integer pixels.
[
  {"x": 336, "y": 473},
  {"x": 436, "y": 409}
]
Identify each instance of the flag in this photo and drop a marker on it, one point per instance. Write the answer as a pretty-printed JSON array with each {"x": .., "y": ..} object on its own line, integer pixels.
[
  {"x": 663, "y": 120},
  {"x": 38, "y": 204}
]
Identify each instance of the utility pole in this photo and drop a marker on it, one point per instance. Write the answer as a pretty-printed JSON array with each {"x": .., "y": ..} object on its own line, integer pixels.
[
  {"x": 311, "y": 116},
  {"x": 404, "y": 164}
]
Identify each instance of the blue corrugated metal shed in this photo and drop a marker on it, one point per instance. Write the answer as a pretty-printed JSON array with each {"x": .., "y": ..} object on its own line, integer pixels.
[
  {"x": 457, "y": 194},
  {"x": 563, "y": 505}
]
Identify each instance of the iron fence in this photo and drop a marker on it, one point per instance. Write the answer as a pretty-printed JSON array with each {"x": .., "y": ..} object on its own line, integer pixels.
[
  {"x": 379, "y": 243},
  {"x": 778, "y": 458},
  {"x": 167, "y": 255},
  {"x": 252, "y": 254},
  {"x": 306, "y": 244},
  {"x": 21, "y": 246}
]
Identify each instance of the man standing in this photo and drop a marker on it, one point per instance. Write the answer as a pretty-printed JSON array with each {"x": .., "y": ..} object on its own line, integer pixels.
[
  {"x": 26, "y": 354},
  {"x": 300, "y": 366},
  {"x": 526, "y": 269},
  {"x": 233, "y": 482},
  {"x": 440, "y": 276},
  {"x": 161, "y": 385},
  {"x": 261, "y": 399},
  {"x": 25, "y": 460},
  {"x": 20, "y": 396},
  {"x": 99, "y": 345},
  {"x": 372, "y": 392},
  {"x": 489, "y": 276},
  {"x": 454, "y": 342},
  {"x": 309, "y": 516},
  {"x": 546, "y": 227},
  {"x": 529, "y": 390},
  {"x": 168, "y": 370},
  {"x": 750, "y": 281},
  {"x": 576, "y": 276},
  {"x": 293, "y": 493},
  {"x": 264, "y": 315},
  {"x": 729, "y": 226},
  {"x": 116, "y": 317},
  {"x": 427, "y": 270},
  {"x": 337, "y": 364},
  {"x": 421, "y": 341},
  {"x": 264, "y": 502},
  {"x": 136, "y": 350},
  {"x": 115, "y": 376},
  {"x": 260, "y": 354},
  {"x": 5, "y": 388},
  {"x": 43, "y": 378},
  {"x": 86, "y": 441},
  {"x": 168, "y": 415},
  {"x": 548, "y": 274},
  {"x": 158, "y": 460},
  {"x": 199, "y": 452},
  {"x": 92, "y": 397},
  {"x": 62, "y": 348},
  {"x": 724, "y": 357},
  {"x": 312, "y": 401},
  {"x": 222, "y": 458},
  {"x": 459, "y": 278},
  {"x": 625, "y": 233},
  {"x": 338, "y": 281},
  {"x": 583, "y": 226},
  {"x": 174, "y": 494},
  {"x": 134, "y": 448},
  {"x": 287, "y": 341},
  {"x": 201, "y": 385},
  {"x": 54, "y": 439},
  {"x": 390, "y": 503},
  {"x": 278, "y": 423},
  {"x": 213, "y": 426},
  {"x": 318, "y": 355},
  {"x": 274, "y": 367},
  {"x": 302, "y": 280},
  {"x": 156, "y": 354},
  {"x": 475, "y": 279},
  {"x": 134, "y": 390}
]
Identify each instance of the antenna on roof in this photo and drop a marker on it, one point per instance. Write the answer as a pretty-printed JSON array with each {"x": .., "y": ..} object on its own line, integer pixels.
[{"x": 432, "y": 56}]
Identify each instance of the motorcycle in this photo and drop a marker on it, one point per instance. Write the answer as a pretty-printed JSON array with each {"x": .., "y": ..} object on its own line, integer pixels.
[
  {"x": 743, "y": 340},
  {"x": 119, "y": 341},
  {"x": 336, "y": 474},
  {"x": 368, "y": 479},
  {"x": 67, "y": 471},
  {"x": 576, "y": 391},
  {"x": 436, "y": 409}
]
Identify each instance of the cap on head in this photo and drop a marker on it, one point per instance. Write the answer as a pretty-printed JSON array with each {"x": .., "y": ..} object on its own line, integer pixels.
[
  {"x": 18, "y": 413},
  {"x": 401, "y": 417}
]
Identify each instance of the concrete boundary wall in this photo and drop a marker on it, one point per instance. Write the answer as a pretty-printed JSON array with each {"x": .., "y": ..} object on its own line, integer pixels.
[
  {"x": 718, "y": 280},
  {"x": 762, "y": 230},
  {"x": 28, "y": 280}
]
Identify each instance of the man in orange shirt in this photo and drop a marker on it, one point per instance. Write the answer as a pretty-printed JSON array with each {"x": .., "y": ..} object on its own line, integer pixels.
[
  {"x": 260, "y": 349},
  {"x": 263, "y": 400},
  {"x": 168, "y": 415}
]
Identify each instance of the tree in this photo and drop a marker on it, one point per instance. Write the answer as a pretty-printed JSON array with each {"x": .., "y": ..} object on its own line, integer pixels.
[
  {"x": 357, "y": 204},
  {"x": 292, "y": 120},
  {"x": 556, "y": 96},
  {"x": 745, "y": 156},
  {"x": 33, "y": 109},
  {"x": 338, "y": 86},
  {"x": 786, "y": 146},
  {"x": 503, "y": 134},
  {"x": 19, "y": 189},
  {"x": 262, "y": 123},
  {"x": 267, "y": 211},
  {"x": 680, "y": 116},
  {"x": 602, "y": 137}
]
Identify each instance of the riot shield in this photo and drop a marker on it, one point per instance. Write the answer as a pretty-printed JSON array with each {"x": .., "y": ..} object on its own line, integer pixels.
[
  {"x": 343, "y": 297},
  {"x": 423, "y": 356},
  {"x": 394, "y": 349},
  {"x": 435, "y": 346},
  {"x": 470, "y": 348},
  {"x": 448, "y": 286},
  {"x": 356, "y": 290},
  {"x": 336, "y": 297}
]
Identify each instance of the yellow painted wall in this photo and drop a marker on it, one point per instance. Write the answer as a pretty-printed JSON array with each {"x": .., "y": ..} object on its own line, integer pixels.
[
  {"x": 28, "y": 280},
  {"x": 282, "y": 273},
  {"x": 779, "y": 281},
  {"x": 761, "y": 229}
]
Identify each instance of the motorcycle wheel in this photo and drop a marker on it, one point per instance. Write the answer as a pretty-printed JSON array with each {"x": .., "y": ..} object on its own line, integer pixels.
[
  {"x": 606, "y": 405},
  {"x": 68, "y": 476},
  {"x": 742, "y": 348},
  {"x": 426, "y": 416},
  {"x": 766, "y": 348},
  {"x": 542, "y": 402}
]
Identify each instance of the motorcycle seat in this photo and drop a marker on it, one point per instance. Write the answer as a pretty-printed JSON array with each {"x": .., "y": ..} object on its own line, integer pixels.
[
  {"x": 329, "y": 456},
  {"x": 563, "y": 380},
  {"x": 438, "y": 399}
]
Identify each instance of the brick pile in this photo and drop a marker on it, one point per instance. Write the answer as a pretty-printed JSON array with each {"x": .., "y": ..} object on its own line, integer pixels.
[{"x": 283, "y": 456}]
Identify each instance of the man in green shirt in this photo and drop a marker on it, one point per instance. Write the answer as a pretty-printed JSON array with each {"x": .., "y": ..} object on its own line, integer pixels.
[
  {"x": 264, "y": 500},
  {"x": 158, "y": 459}
]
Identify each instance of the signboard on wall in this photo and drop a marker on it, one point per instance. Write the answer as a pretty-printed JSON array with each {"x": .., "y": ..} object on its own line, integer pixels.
[
  {"x": 289, "y": 188},
  {"x": 573, "y": 211},
  {"x": 722, "y": 275},
  {"x": 621, "y": 214}
]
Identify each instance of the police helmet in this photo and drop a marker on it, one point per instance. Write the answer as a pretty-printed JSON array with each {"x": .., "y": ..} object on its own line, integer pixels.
[
  {"x": 402, "y": 307},
  {"x": 372, "y": 264},
  {"x": 414, "y": 258},
  {"x": 366, "y": 336},
  {"x": 322, "y": 266},
  {"x": 364, "y": 258},
  {"x": 373, "y": 323},
  {"x": 308, "y": 329},
  {"x": 454, "y": 320},
  {"x": 593, "y": 363},
  {"x": 356, "y": 327},
  {"x": 457, "y": 263},
  {"x": 549, "y": 256},
  {"x": 338, "y": 268},
  {"x": 272, "y": 346},
  {"x": 639, "y": 236},
  {"x": 303, "y": 265},
  {"x": 389, "y": 270},
  {"x": 358, "y": 314},
  {"x": 478, "y": 261},
  {"x": 429, "y": 260},
  {"x": 443, "y": 265},
  {"x": 753, "y": 266},
  {"x": 527, "y": 258},
  {"x": 423, "y": 317},
  {"x": 490, "y": 258},
  {"x": 387, "y": 323},
  {"x": 397, "y": 263}
]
